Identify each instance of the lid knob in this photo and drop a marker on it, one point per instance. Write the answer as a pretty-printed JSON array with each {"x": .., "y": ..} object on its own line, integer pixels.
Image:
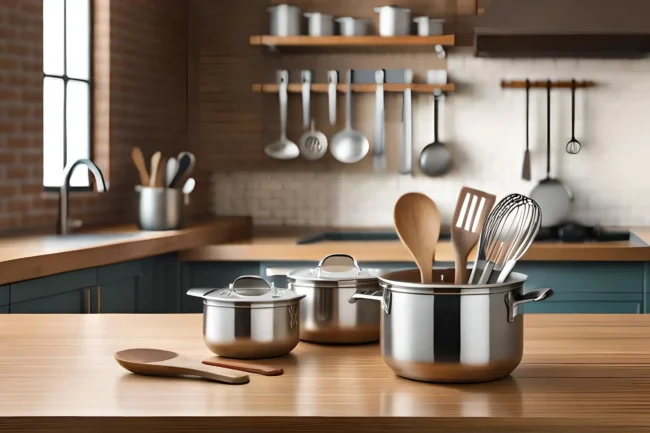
[{"x": 251, "y": 285}]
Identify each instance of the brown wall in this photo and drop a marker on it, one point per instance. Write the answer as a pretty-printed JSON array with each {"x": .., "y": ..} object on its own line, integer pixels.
[
  {"x": 140, "y": 100},
  {"x": 233, "y": 125}
]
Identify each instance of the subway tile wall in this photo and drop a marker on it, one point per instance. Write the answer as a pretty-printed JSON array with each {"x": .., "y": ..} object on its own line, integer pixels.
[{"x": 485, "y": 127}]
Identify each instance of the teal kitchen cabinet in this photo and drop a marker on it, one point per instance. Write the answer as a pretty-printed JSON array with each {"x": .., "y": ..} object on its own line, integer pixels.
[
  {"x": 70, "y": 292},
  {"x": 149, "y": 285},
  {"x": 579, "y": 287},
  {"x": 210, "y": 275},
  {"x": 587, "y": 287},
  {"x": 126, "y": 287},
  {"x": 4, "y": 299}
]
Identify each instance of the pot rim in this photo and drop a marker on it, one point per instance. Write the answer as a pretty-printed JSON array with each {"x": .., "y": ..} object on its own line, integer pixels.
[
  {"x": 251, "y": 305},
  {"x": 514, "y": 281}
]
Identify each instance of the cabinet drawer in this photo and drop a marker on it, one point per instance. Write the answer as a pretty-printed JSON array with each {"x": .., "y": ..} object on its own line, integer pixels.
[
  {"x": 53, "y": 285},
  {"x": 71, "y": 302},
  {"x": 591, "y": 277},
  {"x": 585, "y": 307}
]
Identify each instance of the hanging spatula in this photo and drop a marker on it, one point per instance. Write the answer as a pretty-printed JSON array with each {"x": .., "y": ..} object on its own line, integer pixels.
[{"x": 472, "y": 209}]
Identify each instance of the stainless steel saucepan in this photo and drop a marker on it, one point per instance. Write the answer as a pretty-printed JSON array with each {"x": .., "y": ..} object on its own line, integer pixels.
[
  {"x": 250, "y": 319},
  {"x": 436, "y": 332},
  {"x": 326, "y": 315}
]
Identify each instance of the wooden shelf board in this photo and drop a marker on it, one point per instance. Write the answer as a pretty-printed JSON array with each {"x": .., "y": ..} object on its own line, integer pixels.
[
  {"x": 521, "y": 84},
  {"x": 357, "y": 88},
  {"x": 352, "y": 41}
]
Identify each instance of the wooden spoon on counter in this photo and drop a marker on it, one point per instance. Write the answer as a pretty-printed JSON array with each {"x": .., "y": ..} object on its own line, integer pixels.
[
  {"x": 155, "y": 362},
  {"x": 417, "y": 221},
  {"x": 472, "y": 209},
  {"x": 141, "y": 165}
]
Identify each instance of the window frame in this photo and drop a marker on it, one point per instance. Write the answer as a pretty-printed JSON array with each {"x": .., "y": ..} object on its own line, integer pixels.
[{"x": 91, "y": 97}]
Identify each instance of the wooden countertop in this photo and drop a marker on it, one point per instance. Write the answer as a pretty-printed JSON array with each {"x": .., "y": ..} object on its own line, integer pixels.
[
  {"x": 579, "y": 373},
  {"x": 281, "y": 247},
  {"x": 27, "y": 257}
]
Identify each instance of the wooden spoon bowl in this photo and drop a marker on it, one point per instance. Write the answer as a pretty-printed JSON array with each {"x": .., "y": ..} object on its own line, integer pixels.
[{"x": 417, "y": 222}]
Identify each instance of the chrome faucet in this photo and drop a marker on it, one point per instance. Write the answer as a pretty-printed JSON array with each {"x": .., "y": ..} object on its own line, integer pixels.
[{"x": 63, "y": 224}]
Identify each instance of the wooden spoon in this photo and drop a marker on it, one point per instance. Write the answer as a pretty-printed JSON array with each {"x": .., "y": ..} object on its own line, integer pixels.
[
  {"x": 165, "y": 363},
  {"x": 265, "y": 370},
  {"x": 161, "y": 173},
  {"x": 141, "y": 165},
  {"x": 155, "y": 167},
  {"x": 417, "y": 222},
  {"x": 472, "y": 209}
]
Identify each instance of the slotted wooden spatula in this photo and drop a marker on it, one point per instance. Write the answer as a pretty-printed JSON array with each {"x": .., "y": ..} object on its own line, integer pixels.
[
  {"x": 155, "y": 362},
  {"x": 472, "y": 209}
]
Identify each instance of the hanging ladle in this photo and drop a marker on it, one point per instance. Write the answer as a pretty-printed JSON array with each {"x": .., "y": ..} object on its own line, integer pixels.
[{"x": 573, "y": 146}]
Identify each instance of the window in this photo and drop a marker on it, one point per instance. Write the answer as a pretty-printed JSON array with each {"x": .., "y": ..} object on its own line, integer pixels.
[{"x": 67, "y": 89}]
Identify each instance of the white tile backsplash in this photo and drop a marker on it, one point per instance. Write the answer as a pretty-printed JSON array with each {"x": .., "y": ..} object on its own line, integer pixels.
[{"x": 484, "y": 125}]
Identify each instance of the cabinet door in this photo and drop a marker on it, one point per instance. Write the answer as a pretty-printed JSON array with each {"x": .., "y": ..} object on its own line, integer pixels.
[
  {"x": 126, "y": 287},
  {"x": 210, "y": 275},
  {"x": 71, "y": 302},
  {"x": 70, "y": 292},
  {"x": 4, "y": 299}
]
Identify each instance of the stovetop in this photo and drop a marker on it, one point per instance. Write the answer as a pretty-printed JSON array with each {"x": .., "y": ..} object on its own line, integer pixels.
[{"x": 569, "y": 233}]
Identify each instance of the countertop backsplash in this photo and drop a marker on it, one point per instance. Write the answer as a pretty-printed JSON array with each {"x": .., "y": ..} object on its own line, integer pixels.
[{"x": 485, "y": 127}]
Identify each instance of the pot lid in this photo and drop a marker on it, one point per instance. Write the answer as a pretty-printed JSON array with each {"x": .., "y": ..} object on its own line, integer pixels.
[
  {"x": 335, "y": 270},
  {"x": 247, "y": 291}
]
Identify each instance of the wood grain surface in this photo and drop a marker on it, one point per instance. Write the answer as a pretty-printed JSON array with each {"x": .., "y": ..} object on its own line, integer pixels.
[
  {"x": 583, "y": 372},
  {"x": 279, "y": 246},
  {"x": 26, "y": 257}
]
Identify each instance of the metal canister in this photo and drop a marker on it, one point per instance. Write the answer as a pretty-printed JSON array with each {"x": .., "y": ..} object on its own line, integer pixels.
[
  {"x": 250, "y": 319},
  {"x": 285, "y": 20},
  {"x": 327, "y": 316},
  {"x": 160, "y": 208}
]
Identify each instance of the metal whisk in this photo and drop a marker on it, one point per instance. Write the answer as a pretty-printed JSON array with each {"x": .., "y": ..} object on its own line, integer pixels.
[{"x": 509, "y": 231}]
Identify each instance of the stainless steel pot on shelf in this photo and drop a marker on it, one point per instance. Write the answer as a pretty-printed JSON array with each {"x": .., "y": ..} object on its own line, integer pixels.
[
  {"x": 326, "y": 314},
  {"x": 451, "y": 333},
  {"x": 250, "y": 319}
]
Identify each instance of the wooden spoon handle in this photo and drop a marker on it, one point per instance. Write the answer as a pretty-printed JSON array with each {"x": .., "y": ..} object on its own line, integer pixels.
[
  {"x": 155, "y": 166},
  {"x": 265, "y": 370},
  {"x": 162, "y": 172},
  {"x": 140, "y": 165},
  {"x": 185, "y": 366},
  {"x": 460, "y": 275}
]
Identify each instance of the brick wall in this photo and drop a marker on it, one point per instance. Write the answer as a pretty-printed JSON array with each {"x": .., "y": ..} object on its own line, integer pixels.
[{"x": 140, "y": 100}]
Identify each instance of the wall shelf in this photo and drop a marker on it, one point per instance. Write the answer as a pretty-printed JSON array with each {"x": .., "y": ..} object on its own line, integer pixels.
[
  {"x": 357, "y": 88},
  {"x": 371, "y": 42},
  {"x": 521, "y": 84}
]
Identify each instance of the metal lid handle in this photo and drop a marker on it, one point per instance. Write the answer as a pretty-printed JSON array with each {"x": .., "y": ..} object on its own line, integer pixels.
[
  {"x": 251, "y": 285},
  {"x": 353, "y": 264}
]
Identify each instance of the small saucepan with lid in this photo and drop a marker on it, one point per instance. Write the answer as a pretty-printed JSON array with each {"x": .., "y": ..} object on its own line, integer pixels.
[
  {"x": 327, "y": 316},
  {"x": 250, "y": 319}
]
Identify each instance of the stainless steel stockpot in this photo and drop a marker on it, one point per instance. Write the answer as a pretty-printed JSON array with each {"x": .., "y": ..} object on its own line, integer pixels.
[
  {"x": 250, "y": 319},
  {"x": 451, "y": 333},
  {"x": 327, "y": 316}
]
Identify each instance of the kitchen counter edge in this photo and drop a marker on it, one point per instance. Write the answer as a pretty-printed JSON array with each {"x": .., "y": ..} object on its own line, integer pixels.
[{"x": 29, "y": 257}]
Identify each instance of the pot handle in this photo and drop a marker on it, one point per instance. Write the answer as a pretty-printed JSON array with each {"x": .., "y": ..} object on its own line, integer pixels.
[
  {"x": 199, "y": 293},
  {"x": 514, "y": 301},
  {"x": 381, "y": 295}
]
